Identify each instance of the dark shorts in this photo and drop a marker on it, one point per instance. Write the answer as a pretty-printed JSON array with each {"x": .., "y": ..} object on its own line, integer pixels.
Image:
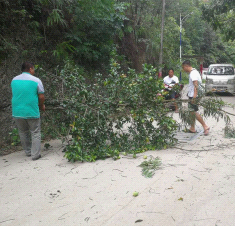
[
  {"x": 173, "y": 93},
  {"x": 194, "y": 106}
]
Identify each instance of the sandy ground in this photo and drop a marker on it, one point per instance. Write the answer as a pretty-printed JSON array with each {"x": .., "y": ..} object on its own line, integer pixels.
[{"x": 195, "y": 186}]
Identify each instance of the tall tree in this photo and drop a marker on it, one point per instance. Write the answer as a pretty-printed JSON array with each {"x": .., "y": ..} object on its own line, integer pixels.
[
  {"x": 221, "y": 14},
  {"x": 162, "y": 36},
  {"x": 94, "y": 25}
]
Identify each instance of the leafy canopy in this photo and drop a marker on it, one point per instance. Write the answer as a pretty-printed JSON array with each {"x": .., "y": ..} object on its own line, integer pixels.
[{"x": 221, "y": 14}]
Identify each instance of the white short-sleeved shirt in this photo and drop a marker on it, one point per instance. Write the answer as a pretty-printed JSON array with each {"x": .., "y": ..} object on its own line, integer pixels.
[
  {"x": 167, "y": 80},
  {"x": 193, "y": 76}
]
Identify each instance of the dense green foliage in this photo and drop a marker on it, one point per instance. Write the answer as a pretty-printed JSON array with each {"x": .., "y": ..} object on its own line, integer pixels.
[
  {"x": 50, "y": 31},
  {"x": 221, "y": 14},
  {"x": 86, "y": 31},
  {"x": 72, "y": 43},
  {"x": 116, "y": 114}
]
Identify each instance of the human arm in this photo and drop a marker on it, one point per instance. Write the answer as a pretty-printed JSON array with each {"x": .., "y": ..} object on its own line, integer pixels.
[
  {"x": 41, "y": 97},
  {"x": 195, "y": 84},
  {"x": 41, "y": 100},
  {"x": 176, "y": 79},
  {"x": 164, "y": 81}
]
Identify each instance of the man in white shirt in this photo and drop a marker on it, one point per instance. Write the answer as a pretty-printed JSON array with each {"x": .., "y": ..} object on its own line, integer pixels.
[
  {"x": 194, "y": 81},
  {"x": 170, "y": 81},
  {"x": 171, "y": 78}
]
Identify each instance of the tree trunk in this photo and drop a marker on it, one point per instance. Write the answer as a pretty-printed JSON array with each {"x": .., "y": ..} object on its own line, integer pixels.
[{"x": 162, "y": 36}]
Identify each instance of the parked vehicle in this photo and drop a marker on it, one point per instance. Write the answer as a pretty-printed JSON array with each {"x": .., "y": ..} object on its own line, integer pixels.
[
  {"x": 204, "y": 73},
  {"x": 220, "y": 78}
]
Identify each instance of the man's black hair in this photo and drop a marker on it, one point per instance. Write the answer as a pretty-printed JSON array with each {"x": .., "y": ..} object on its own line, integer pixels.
[
  {"x": 26, "y": 66},
  {"x": 187, "y": 62},
  {"x": 171, "y": 69}
]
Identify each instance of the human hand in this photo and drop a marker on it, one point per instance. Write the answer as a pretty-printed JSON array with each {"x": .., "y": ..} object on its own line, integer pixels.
[{"x": 43, "y": 107}]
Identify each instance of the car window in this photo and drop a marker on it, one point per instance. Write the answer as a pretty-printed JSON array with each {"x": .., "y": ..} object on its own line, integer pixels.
[{"x": 221, "y": 70}]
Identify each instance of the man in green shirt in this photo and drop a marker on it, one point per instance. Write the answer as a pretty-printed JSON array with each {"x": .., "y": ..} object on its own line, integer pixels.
[{"x": 27, "y": 99}]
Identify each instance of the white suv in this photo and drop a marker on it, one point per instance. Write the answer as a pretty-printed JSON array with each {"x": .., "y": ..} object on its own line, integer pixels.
[{"x": 220, "y": 78}]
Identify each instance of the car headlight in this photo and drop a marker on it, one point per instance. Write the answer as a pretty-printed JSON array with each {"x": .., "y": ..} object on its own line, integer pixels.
[
  {"x": 209, "y": 81},
  {"x": 231, "y": 81}
]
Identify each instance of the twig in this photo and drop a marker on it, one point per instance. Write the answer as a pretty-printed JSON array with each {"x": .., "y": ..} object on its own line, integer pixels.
[
  {"x": 6, "y": 220},
  {"x": 60, "y": 218},
  {"x": 226, "y": 112}
]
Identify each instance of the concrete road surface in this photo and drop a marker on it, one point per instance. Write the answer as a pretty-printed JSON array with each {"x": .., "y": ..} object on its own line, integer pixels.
[{"x": 195, "y": 186}]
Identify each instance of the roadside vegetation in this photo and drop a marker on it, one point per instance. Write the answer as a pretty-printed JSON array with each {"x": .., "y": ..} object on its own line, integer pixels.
[{"x": 98, "y": 61}]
